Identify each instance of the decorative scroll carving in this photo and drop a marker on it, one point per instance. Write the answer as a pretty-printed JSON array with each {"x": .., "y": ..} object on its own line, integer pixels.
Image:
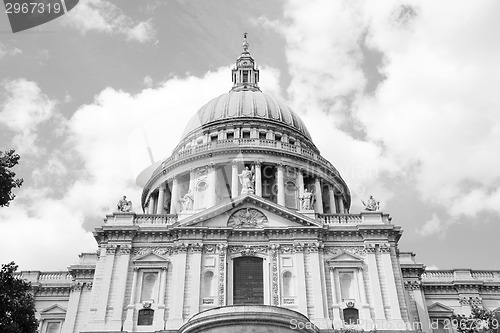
[
  {"x": 287, "y": 248},
  {"x": 182, "y": 247},
  {"x": 209, "y": 248},
  {"x": 166, "y": 250},
  {"x": 247, "y": 218},
  {"x": 222, "y": 249},
  {"x": 197, "y": 247},
  {"x": 313, "y": 247},
  {"x": 274, "y": 248},
  {"x": 248, "y": 250},
  {"x": 385, "y": 248},
  {"x": 356, "y": 250}
]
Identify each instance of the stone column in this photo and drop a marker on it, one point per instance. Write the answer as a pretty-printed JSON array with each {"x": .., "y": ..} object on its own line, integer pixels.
[
  {"x": 281, "y": 185},
  {"x": 371, "y": 262},
  {"x": 258, "y": 179},
  {"x": 300, "y": 183},
  {"x": 234, "y": 180},
  {"x": 333, "y": 203},
  {"x": 151, "y": 204},
  {"x": 212, "y": 186},
  {"x": 163, "y": 284},
  {"x": 385, "y": 254},
  {"x": 192, "y": 180},
  {"x": 175, "y": 195},
  {"x": 129, "y": 321},
  {"x": 341, "y": 204},
  {"x": 319, "y": 196},
  {"x": 161, "y": 199}
]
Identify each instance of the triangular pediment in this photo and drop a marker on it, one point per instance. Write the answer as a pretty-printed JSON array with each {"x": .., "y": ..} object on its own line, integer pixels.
[
  {"x": 439, "y": 308},
  {"x": 54, "y": 309},
  {"x": 345, "y": 257},
  {"x": 150, "y": 258},
  {"x": 249, "y": 212}
]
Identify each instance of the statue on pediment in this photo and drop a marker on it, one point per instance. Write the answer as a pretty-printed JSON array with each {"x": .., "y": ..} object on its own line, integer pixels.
[
  {"x": 124, "y": 205},
  {"x": 371, "y": 204}
]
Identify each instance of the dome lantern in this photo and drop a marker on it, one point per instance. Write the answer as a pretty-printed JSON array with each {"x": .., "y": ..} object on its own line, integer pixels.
[{"x": 245, "y": 75}]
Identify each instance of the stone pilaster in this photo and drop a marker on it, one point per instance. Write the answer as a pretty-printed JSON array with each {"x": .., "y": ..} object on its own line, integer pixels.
[
  {"x": 179, "y": 277},
  {"x": 385, "y": 254},
  {"x": 128, "y": 324},
  {"x": 300, "y": 183},
  {"x": 371, "y": 261},
  {"x": 72, "y": 311},
  {"x": 234, "y": 180},
  {"x": 212, "y": 186},
  {"x": 161, "y": 199},
  {"x": 105, "y": 284},
  {"x": 301, "y": 279},
  {"x": 194, "y": 298},
  {"x": 333, "y": 202},
  {"x": 151, "y": 204},
  {"x": 119, "y": 285}
]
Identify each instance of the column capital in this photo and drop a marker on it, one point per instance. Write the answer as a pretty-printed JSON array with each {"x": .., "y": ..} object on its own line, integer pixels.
[
  {"x": 163, "y": 185},
  {"x": 257, "y": 164}
]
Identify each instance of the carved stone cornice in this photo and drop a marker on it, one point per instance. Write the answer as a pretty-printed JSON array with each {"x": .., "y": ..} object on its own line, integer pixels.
[
  {"x": 125, "y": 249},
  {"x": 248, "y": 250},
  {"x": 197, "y": 248},
  {"x": 111, "y": 249},
  {"x": 161, "y": 250}
]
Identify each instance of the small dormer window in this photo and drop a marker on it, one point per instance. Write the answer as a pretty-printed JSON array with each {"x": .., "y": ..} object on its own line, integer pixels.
[{"x": 230, "y": 136}]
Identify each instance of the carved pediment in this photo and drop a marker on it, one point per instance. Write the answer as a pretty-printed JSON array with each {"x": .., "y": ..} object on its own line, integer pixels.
[
  {"x": 249, "y": 211},
  {"x": 150, "y": 257},
  {"x": 438, "y": 308},
  {"x": 345, "y": 259},
  {"x": 345, "y": 256},
  {"x": 54, "y": 309}
]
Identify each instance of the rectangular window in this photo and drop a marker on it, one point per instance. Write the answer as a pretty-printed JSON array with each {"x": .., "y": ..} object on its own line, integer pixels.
[
  {"x": 262, "y": 135},
  {"x": 245, "y": 76},
  {"x": 230, "y": 136},
  {"x": 53, "y": 327},
  {"x": 246, "y": 135},
  {"x": 248, "y": 281}
]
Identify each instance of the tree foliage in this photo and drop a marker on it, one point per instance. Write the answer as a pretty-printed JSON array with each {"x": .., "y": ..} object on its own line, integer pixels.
[
  {"x": 17, "y": 304},
  {"x": 480, "y": 320},
  {"x": 8, "y": 160}
]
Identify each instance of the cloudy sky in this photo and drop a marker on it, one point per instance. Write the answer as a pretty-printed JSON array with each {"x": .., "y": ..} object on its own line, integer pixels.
[{"x": 401, "y": 96}]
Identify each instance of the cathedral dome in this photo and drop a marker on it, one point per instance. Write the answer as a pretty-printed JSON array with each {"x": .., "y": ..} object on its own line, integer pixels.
[{"x": 237, "y": 105}]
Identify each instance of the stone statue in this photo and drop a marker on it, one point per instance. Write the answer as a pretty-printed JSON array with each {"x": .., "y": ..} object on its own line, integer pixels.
[
  {"x": 246, "y": 178},
  {"x": 187, "y": 201},
  {"x": 306, "y": 200},
  {"x": 371, "y": 205},
  {"x": 124, "y": 205}
]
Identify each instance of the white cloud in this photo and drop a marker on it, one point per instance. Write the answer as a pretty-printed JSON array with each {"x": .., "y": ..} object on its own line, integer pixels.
[
  {"x": 24, "y": 108},
  {"x": 104, "y": 16},
  {"x": 433, "y": 121}
]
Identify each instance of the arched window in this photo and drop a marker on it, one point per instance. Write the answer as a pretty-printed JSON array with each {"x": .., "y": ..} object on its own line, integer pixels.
[
  {"x": 199, "y": 196},
  {"x": 208, "y": 279},
  {"x": 351, "y": 316},
  {"x": 287, "y": 284},
  {"x": 145, "y": 317},
  {"x": 345, "y": 285},
  {"x": 148, "y": 285}
]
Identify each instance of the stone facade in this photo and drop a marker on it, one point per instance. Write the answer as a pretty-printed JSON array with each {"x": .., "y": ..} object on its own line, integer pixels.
[{"x": 228, "y": 242}]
